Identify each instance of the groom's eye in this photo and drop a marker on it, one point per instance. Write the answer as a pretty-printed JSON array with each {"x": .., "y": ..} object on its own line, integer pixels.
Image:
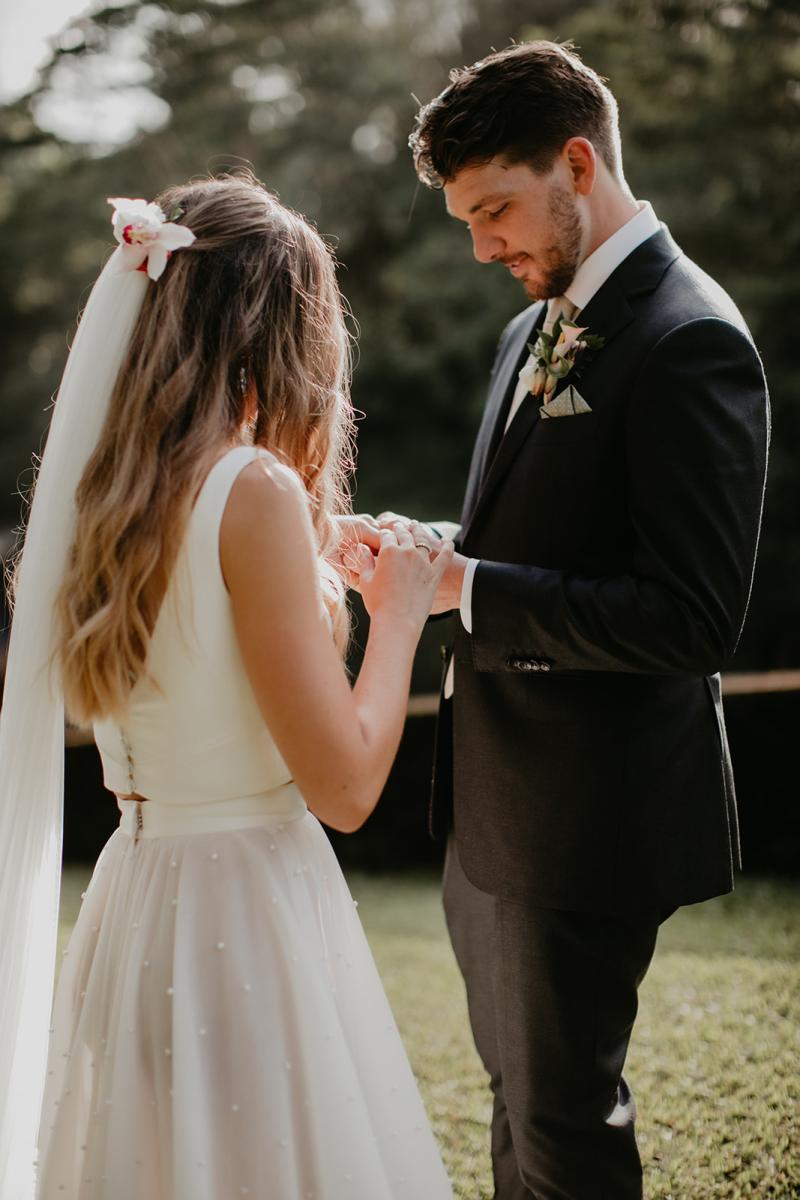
[{"x": 495, "y": 213}]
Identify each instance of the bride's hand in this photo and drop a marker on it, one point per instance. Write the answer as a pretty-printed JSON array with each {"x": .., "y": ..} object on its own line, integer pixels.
[
  {"x": 352, "y": 529},
  {"x": 400, "y": 583}
]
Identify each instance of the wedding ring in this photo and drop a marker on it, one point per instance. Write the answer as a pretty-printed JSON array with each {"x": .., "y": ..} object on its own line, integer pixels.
[{"x": 422, "y": 546}]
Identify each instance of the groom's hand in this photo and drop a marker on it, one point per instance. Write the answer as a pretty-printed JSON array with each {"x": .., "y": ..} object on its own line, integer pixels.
[{"x": 448, "y": 595}]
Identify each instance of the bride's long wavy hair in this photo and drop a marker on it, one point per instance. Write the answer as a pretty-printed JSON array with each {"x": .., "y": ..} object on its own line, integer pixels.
[{"x": 246, "y": 324}]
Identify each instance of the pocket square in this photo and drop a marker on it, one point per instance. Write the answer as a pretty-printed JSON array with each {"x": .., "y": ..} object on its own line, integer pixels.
[{"x": 569, "y": 403}]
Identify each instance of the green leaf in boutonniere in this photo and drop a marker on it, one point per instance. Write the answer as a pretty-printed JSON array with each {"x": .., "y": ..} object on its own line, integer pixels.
[
  {"x": 587, "y": 348},
  {"x": 543, "y": 346},
  {"x": 568, "y": 348}
]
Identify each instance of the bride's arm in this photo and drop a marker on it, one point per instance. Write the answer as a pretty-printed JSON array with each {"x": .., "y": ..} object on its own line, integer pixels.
[{"x": 339, "y": 742}]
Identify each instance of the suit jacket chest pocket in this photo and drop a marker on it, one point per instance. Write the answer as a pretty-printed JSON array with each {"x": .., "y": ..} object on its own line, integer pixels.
[
  {"x": 560, "y": 431},
  {"x": 569, "y": 451}
]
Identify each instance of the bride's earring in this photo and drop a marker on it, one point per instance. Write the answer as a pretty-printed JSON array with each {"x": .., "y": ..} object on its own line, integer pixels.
[{"x": 249, "y": 426}]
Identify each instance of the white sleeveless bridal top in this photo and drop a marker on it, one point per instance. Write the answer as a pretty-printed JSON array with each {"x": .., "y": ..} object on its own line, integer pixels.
[
  {"x": 193, "y": 733},
  {"x": 220, "y": 1029}
]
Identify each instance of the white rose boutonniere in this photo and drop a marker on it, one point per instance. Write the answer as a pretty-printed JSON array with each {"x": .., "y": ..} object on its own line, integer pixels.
[{"x": 568, "y": 348}]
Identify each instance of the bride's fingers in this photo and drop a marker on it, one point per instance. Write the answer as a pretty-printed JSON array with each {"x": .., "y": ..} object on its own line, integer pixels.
[
  {"x": 368, "y": 534},
  {"x": 388, "y": 537},
  {"x": 350, "y": 552},
  {"x": 358, "y": 557},
  {"x": 365, "y": 563},
  {"x": 393, "y": 520},
  {"x": 404, "y": 539}
]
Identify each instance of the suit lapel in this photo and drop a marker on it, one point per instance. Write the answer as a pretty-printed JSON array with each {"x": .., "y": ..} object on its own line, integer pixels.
[
  {"x": 507, "y": 382},
  {"x": 606, "y": 314},
  {"x": 498, "y": 405},
  {"x": 524, "y": 420}
]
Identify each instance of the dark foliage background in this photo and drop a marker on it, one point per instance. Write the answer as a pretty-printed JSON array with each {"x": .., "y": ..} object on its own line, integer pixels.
[{"x": 317, "y": 95}]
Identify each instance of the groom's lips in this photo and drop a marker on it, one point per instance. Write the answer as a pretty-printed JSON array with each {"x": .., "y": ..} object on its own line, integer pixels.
[{"x": 514, "y": 264}]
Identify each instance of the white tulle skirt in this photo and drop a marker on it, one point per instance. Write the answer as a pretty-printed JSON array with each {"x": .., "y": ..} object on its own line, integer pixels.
[{"x": 220, "y": 1030}]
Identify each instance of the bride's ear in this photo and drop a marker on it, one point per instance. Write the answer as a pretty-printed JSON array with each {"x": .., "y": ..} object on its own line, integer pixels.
[{"x": 249, "y": 395}]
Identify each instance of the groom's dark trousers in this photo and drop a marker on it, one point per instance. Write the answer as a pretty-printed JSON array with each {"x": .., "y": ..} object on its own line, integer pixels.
[
  {"x": 552, "y": 1000},
  {"x": 582, "y": 777}
]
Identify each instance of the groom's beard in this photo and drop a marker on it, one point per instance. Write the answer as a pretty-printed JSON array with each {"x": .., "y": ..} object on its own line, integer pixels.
[{"x": 563, "y": 257}]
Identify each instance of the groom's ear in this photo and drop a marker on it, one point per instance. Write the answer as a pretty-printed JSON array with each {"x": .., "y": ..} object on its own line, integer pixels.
[{"x": 580, "y": 160}]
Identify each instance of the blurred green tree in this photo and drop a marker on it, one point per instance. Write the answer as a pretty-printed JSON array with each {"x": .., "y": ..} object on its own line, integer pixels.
[
  {"x": 319, "y": 96},
  {"x": 709, "y": 96}
]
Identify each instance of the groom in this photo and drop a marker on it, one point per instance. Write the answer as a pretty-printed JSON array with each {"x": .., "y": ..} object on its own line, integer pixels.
[{"x": 607, "y": 544}]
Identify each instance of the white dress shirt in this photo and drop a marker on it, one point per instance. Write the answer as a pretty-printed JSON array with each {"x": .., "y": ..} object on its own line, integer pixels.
[{"x": 589, "y": 278}]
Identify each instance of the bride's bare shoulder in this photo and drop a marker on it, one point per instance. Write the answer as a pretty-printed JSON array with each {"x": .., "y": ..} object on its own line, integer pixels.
[
  {"x": 265, "y": 487},
  {"x": 266, "y": 519}
]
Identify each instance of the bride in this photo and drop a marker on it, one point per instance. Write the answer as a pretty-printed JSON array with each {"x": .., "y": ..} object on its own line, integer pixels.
[{"x": 219, "y": 1029}]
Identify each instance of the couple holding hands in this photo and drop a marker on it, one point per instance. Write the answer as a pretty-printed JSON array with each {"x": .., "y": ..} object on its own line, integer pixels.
[{"x": 219, "y": 1028}]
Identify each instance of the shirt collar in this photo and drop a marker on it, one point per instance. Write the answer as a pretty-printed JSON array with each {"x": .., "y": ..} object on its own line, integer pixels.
[{"x": 595, "y": 270}]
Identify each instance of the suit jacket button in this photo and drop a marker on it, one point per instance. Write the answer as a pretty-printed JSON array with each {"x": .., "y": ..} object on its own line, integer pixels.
[{"x": 443, "y": 652}]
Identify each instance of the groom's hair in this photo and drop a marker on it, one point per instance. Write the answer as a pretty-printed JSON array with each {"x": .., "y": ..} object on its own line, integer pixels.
[{"x": 523, "y": 102}]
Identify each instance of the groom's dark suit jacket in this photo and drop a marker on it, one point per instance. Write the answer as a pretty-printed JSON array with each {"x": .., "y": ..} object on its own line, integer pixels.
[{"x": 583, "y": 759}]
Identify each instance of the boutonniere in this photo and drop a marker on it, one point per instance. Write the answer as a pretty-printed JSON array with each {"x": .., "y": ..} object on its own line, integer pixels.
[{"x": 568, "y": 348}]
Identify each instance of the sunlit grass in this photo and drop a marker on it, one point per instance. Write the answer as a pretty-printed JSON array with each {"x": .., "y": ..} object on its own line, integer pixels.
[{"x": 714, "y": 1061}]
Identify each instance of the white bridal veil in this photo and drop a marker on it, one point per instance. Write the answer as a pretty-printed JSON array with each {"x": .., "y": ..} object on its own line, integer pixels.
[{"x": 32, "y": 723}]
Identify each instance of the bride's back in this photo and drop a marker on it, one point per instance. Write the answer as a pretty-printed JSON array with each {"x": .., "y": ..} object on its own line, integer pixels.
[
  {"x": 193, "y": 728},
  {"x": 242, "y": 338}
]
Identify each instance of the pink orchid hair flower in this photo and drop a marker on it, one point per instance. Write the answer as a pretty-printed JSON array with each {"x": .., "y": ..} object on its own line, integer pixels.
[{"x": 145, "y": 236}]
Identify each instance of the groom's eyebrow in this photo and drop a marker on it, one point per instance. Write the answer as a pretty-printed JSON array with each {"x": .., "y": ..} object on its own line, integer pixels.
[
  {"x": 492, "y": 198},
  {"x": 489, "y": 198}
]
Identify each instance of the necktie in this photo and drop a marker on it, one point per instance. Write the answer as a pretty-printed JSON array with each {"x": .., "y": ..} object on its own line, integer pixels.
[{"x": 558, "y": 306}]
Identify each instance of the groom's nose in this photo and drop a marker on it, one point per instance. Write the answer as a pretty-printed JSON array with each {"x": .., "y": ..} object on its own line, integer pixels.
[{"x": 486, "y": 246}]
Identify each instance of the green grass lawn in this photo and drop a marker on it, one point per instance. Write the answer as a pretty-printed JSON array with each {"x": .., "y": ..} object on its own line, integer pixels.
[{"x": 714, "y": 1059}]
